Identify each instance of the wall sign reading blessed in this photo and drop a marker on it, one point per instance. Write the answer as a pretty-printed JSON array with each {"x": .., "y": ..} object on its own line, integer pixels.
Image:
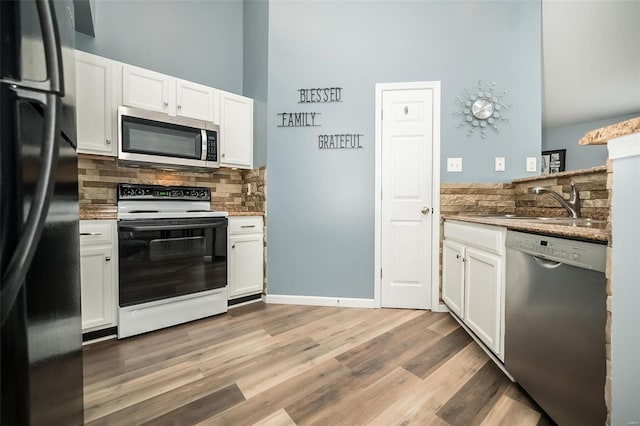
[{"x": 326, "y": 94}]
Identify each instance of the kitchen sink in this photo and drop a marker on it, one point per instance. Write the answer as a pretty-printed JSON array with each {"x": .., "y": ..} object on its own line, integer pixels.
[{"x": 569, "y": 221}]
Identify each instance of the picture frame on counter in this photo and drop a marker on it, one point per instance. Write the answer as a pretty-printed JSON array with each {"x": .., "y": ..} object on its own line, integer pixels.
[{"x": 553, "y": 161}]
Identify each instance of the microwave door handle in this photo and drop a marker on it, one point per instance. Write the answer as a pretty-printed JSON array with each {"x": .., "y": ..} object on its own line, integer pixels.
[
  {"x": 203, "y": 136},
  {"x": 142, "y": 228}
]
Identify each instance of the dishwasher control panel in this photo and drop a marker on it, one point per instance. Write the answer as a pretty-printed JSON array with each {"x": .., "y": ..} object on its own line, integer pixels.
[{"x": 578, "y": 253}]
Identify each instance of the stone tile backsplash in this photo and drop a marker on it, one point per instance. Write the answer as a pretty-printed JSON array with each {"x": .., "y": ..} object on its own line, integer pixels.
[
  {"x": 517, "y": 198},
  {"x": 98, "y": 177}
]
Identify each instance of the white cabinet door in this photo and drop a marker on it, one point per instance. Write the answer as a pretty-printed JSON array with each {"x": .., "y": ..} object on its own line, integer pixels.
[
  {"x": 146, "y": 89},
  {"x": 194, "y": 100},
  {"x": 483, "y": 293},
  {"x": 236, "y": 131},
  {"x": 245, "y": 264},
  {"x": 94, "y": 105},
  {"x": 453, "y": 276},
  {"x": 97, "y": 287}
]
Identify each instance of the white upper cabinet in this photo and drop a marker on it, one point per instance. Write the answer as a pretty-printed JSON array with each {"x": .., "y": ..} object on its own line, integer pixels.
[
  {"x": 95, "y": 104},
  {"x": 236, "y": 131},
  {"x": 153, "y": 91},
  {"x": 145, "y": 89},
  {"x": 194, "y": 101}
]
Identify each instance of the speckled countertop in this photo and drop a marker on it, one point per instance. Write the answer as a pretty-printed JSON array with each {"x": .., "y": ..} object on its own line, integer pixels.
[
  {"x": 603, "y": 135},
  {"x": 98, "y": 211},
  {"x": 110, "y": 211},
  {"x": 595, "y": 232}
]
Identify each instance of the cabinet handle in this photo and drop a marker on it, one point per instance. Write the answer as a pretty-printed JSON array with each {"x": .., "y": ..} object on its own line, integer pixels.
[
  {"x": 464, "y": 259},
  {"x": 247, "y": 226},
  {"x": 166, "y": 104},
  {"x": 233, "y": 246},
  {"x": 108, "y": 141},
  {"x": 457, "y": 256},
  {"x": 179, "y": 106},
  {"x": 223, "y": 155},
  {"x": 107, "y": 259},
  {"x": 425, "y": 210},
  {"x": 90, "y": 233}
]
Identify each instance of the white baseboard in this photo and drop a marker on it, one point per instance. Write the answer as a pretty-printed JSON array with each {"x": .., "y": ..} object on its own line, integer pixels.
[
  {"x": 346, "y": 302},
  {"x": 441, "y": 307}
]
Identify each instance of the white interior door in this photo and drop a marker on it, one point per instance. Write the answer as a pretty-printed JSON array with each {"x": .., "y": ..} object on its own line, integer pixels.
[{"x": 406, "y": 199}]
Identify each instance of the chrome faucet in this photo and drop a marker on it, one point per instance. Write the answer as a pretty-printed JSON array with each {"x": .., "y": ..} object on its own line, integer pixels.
[{"x": 572, "y": 204}]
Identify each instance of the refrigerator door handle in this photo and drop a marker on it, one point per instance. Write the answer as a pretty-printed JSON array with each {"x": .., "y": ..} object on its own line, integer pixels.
[
  {"x": 54, "y": 83},
  {"x": 53, "y": 88},
  {"x": 14, "y": 275}
]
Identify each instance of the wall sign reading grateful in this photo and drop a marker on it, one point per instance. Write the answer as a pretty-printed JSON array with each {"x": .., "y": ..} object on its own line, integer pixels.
[
  {"x": 340, "y": 141},
  {"x": 309, "y": 119}
]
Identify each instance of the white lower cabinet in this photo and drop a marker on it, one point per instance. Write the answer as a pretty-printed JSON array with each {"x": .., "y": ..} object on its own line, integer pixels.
[
  {"x": 246, "y": 254},
  {"x": 473, "y": 273},
  {"x": 98, "y": 274}
]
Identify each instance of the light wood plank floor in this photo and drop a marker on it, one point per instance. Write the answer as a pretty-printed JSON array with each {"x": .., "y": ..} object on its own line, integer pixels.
[{"x": 287, "y": 365}]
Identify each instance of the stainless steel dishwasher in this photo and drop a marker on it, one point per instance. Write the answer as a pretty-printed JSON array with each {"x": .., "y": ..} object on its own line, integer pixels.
[{"x": 555, "y": 324}]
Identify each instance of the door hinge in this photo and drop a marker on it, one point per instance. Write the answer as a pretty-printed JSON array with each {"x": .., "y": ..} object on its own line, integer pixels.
[
  {"x": 380, "y": 272},
  {"x": 381, "y": 114}
]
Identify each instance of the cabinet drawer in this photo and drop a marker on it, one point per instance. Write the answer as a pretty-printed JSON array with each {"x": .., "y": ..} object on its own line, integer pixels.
[
  {"x": 93, "y": 232},
  {"x": 245, "y": 225},
  {"x": 490, "y": 238}
]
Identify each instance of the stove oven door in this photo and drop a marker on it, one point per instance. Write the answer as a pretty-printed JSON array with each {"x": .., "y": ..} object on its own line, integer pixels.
[{"x": 165, "y": 258}]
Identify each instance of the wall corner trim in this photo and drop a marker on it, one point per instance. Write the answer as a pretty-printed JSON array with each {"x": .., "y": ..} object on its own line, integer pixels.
[
  {"x": 346, "y": 302},
  {"x": 624, "y": 146}
]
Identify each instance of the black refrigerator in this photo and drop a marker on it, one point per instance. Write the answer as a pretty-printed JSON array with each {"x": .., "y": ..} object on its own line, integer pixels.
[{"x": 40, "y": 335}]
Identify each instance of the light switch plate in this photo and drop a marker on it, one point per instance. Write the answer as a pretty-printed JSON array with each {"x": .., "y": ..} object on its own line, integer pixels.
[
  {"x": 499, "y": 164},
  {"x": 454, "y": 164},
  {"x": 531, "y": 164}
]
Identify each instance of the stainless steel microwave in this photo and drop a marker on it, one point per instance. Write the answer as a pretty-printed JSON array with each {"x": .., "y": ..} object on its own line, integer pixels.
[{"x": 153, "y": 138}]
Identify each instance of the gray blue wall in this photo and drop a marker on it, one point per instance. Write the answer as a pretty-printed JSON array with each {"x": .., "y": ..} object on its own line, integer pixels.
[
  {"x": 204, "y": 45},
  {"x": 567, "y": 137},
  {"x": 254, "y": 82},
  {"x": 321, "y": 202}
]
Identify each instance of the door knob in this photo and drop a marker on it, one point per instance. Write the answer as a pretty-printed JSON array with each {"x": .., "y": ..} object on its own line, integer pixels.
[
  {"x": 108, "y": 141},
  {"x": 425, "y": 210}
]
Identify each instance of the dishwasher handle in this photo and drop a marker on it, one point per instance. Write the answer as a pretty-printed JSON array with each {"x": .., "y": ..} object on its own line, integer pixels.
[{"x": 548, "y": 264}]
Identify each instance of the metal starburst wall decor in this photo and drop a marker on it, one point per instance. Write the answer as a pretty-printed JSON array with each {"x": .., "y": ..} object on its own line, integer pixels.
[{"x": 482, "y": 108}]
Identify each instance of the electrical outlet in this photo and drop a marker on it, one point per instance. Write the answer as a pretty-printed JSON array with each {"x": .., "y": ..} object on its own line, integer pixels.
[
  {"x": 499, "y": 164},
  {"x": 531, "y": 164},
  {"x": 454, "y": 164},
  {"x": 248, "y": 189}
]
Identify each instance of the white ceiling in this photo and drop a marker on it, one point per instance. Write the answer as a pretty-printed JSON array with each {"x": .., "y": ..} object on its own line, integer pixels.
[{"x": 590, "y": 60}]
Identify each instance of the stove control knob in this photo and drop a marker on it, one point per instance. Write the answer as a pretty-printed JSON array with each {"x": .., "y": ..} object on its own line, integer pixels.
[
  {"x": 202, "y": 194},
  {"x": 178, "y": 193},
  {"x": 574, "y": 256},
  {"x": 139, "y": 192}
]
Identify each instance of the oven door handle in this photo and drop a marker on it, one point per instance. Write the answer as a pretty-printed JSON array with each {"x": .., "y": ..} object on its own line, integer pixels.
[{"x": 142, "y": 228}]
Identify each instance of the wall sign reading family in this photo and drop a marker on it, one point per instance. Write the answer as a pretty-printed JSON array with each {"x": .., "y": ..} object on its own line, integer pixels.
[
  {"x": 298, "y": 119},
  {"x": 310, "y": 119}
]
